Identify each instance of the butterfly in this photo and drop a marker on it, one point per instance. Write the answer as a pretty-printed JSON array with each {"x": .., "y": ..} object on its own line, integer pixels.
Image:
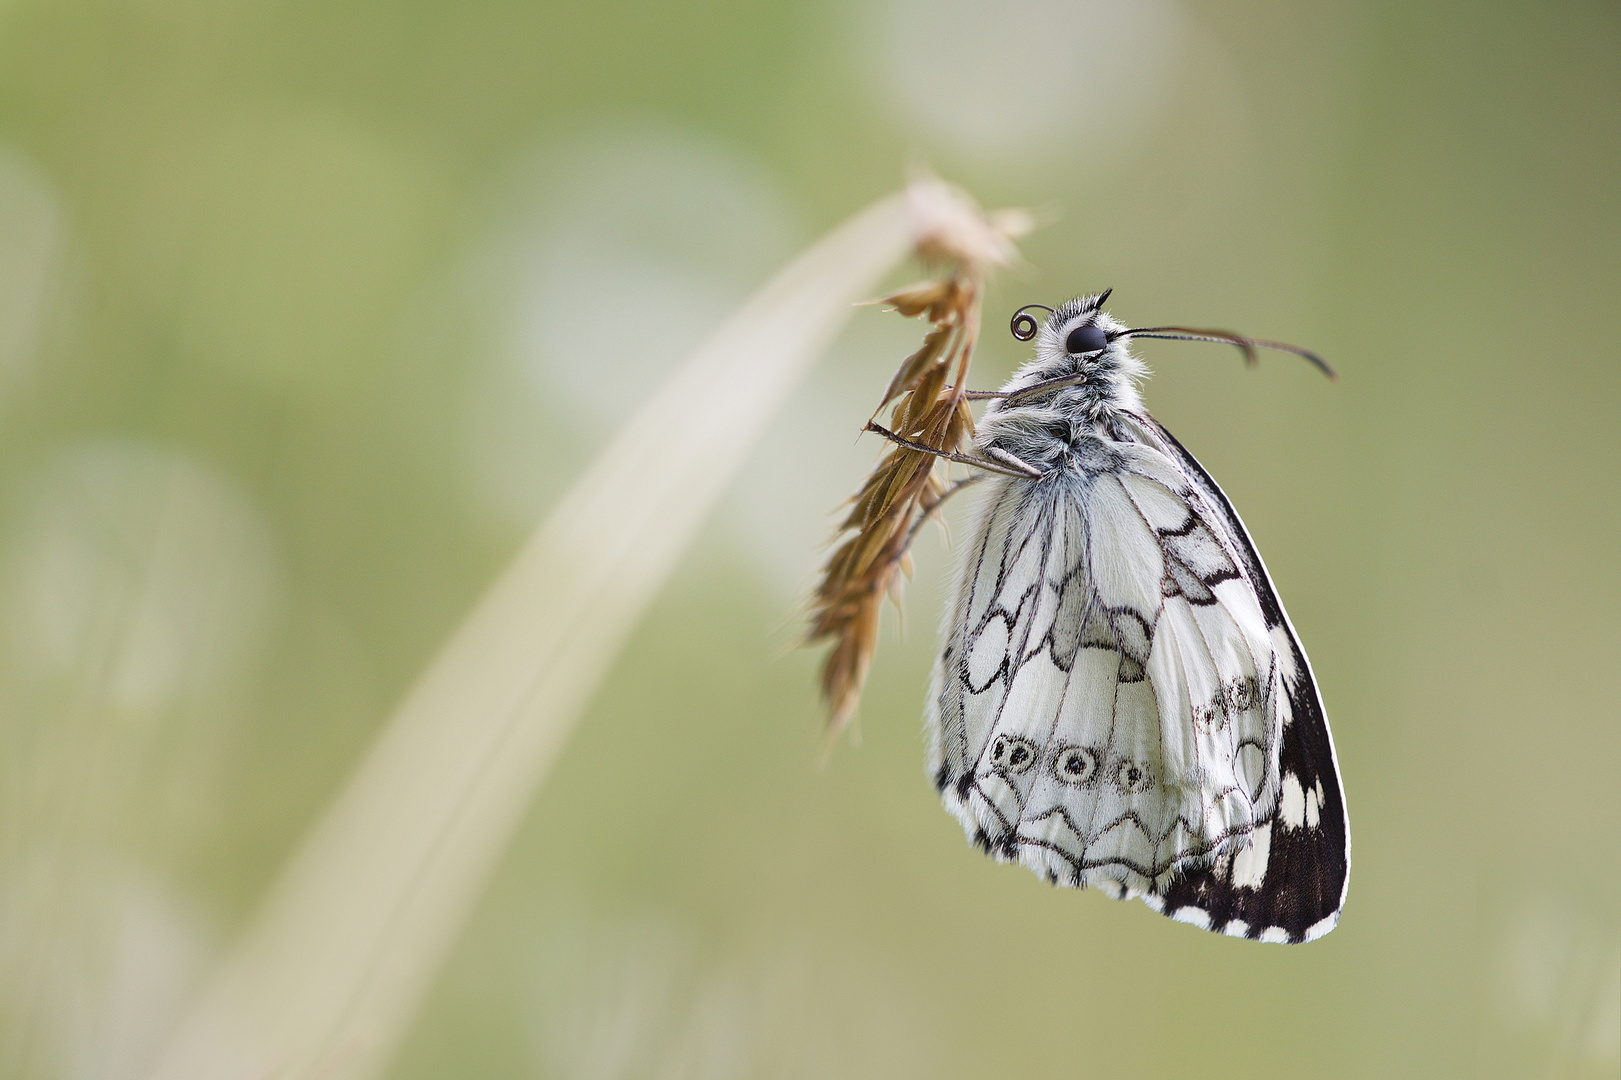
[{"x": 1120, "y": 701}]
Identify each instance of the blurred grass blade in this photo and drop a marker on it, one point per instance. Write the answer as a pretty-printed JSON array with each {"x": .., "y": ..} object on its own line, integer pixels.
[{"x": 328, "y": 975}]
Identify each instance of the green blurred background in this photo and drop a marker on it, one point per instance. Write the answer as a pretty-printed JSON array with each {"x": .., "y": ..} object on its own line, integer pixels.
[{"x": 309, "y": 310}]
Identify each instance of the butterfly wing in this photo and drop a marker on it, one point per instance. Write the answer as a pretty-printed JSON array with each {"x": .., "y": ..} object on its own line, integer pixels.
[
  {"x": 1109, "y": 706},
  {"x": 1306, "y": 869}
]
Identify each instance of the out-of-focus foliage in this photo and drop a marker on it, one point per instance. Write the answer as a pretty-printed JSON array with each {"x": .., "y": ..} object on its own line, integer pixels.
[{"x": 309, "y": 311}]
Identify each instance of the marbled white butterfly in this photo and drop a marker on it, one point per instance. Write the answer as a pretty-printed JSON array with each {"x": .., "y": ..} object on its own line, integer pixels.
[{"x": 1121, "y": 701}]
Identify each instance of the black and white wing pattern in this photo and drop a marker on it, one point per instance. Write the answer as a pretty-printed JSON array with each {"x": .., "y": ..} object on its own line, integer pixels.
[{"x": 1122, "y": 703}]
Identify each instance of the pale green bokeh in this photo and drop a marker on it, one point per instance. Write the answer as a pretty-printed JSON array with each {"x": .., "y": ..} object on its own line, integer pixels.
[{"x": 274, "y": 404}]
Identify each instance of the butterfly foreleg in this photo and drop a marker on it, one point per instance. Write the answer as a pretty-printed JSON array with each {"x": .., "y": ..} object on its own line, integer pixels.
[
  {"x": 998, "y": 461},
  {"x": 1011, "y": 396}
]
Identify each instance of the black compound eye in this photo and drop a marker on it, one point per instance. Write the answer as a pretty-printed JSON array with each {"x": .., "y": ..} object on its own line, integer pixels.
[{"x": 1086, "y": 338}]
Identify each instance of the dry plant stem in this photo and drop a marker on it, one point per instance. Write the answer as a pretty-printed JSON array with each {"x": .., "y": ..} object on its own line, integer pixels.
[
  {"x": 328, "y": 975},
  {"x": 929, "y": 420}
]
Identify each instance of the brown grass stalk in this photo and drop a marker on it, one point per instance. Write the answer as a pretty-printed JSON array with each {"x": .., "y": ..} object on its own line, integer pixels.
[{"x": 927, "y": 405}]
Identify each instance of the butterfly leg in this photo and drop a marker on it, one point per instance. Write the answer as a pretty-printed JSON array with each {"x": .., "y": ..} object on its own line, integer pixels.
[
  {"x": 1042, "y": 387},
  {"x": 1004, "y": 462}
]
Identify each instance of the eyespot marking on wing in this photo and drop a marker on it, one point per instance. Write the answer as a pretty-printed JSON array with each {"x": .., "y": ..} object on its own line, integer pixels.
[
  {"x": 1012, "y": 755},
  {"x": 1076, "y": 765},
  {"x": 1131, "y": 777}
]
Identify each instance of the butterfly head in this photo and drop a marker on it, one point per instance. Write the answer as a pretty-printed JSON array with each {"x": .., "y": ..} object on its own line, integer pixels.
[{"x": 1080, "y": 338}]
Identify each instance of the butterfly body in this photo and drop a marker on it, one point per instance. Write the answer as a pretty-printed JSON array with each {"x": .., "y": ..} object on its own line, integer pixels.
[{"x": 1120, "y": 701}]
